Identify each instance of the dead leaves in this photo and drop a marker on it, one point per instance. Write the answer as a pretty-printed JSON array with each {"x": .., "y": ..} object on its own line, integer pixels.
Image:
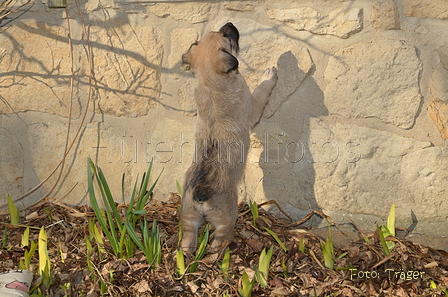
[{"x": 360, "y": 268}]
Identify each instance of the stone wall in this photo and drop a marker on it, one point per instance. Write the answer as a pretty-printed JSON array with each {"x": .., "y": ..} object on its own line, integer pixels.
[{"x": 358, "y": 120}]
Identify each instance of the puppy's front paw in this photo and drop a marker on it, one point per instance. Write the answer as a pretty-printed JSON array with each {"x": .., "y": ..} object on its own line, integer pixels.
[{"x": 270, "y": 74}]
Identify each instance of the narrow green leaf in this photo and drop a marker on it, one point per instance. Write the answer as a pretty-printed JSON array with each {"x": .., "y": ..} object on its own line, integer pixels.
[
  {"x": 26, "y": 237},
  {"x": 44, "y": 260},
  {"x": 282, "y": 245},
  {"x": 180, "y": 261},
  {"x": 302, "y": 245},
  {"x": 391, "y": 220},
  {"x": 202, "y": 247},
  {"x": 386, "y": 250},
  {"x": 224, "y": 266},
  {"x": 254, "y": 210},
  {"x": 91, "y": 170},
  {"x": 179, "y": 188},
  {"x": 139, "y": 212},
  {"x": 245, "y": 290},
  {"x": 13, "y": 211},
  {"x": 261, "y": 279},
  {"x": 28, "y": 254},
  {"x": 134, "y": 237}
]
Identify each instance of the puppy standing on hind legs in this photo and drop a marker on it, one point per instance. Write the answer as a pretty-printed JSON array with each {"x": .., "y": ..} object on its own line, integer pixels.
[{"x": 227, "y": 111}]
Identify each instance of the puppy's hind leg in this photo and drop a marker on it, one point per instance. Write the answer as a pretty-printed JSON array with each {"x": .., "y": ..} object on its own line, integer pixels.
[
  {"x": 261, "y": 94},
  {"x": 223, "y": 217},
  {"x": 191, "y": 221}
]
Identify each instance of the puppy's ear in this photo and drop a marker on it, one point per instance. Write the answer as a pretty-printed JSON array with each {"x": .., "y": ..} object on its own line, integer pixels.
[
  {"x": 231, "y": 32},
  {"x": 227, "y": 61}
]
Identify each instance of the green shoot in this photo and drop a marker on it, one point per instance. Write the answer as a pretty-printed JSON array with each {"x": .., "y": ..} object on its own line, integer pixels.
[
  {"x": 179, "y": 188},
  {"x": 94, "y": 233},
  {"x": 26, "y": 237},
  {"x": 389, "y": 229},
  {"x": 262, "y": 272},
  {"x": 44, "y": 259},
  {"x": 285, "y": 269},
  {"x": 224, "y": 266},
  {"x": 150, "y": 245},
  {"x": 66, "y": 289},
  {"x": 112, "y": 224},
  {"x": 180, "y": 261},
  {"x": 391, "y": 220},
  {"x": 201, "y": 250},
  {"x": 246, "y": 287},
  {"x": 28, "y": 255},
  {"x": 328, "y": 250},
  {"x": 301, "y": 245},
  {"x": 434, "y": 286},
  {"x": 254, "y": 210},
  {"x": 13, "y": 211},
  {"x": 386, "y": 250},
  {"x": 272, "y": 233}
]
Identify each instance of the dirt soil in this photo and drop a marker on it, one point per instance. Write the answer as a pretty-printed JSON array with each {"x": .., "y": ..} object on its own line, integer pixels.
[{"x": 360, "y": 269}]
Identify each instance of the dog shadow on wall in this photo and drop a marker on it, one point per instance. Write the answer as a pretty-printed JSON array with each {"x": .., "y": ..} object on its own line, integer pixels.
[{"x": 286, "y": 159}]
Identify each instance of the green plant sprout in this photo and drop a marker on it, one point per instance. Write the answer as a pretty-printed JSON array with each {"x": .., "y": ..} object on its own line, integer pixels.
[
  {"x": 28, "y": 253},
  {"x": 272, "y": 233},
  {"x": 262, "y": 272},
  {"x": 179, "y": 188},
  {"x": 25, "y": 237},
  {"x": 203, "y": 239},
  {"x": 386, "y": 250},
  {"x": 328, "y": 250},
  {"x": 150, "y": 245},
  {"x": 95, "y": 233},
  {"x": 434, "y": 286},
  {"x": 301, "y": 245},
  {"x": 387, "y": 230},
  {"x": 254, "y": 210},
  {"x": 180, "y": 262},
  {"x": 116, "y": 231},
  {"x": 224, "y": 266},
  {"x": 13, "y": 212},
  {"x": 44, "y": 259},
  {"x": 246, "y": 287}
]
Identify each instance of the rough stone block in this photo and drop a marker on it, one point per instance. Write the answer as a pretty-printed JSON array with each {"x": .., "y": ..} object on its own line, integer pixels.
[
  {"x": 129, "y": 54},
  {"x": 362, "y": 170},
  {"x": 339, "y": 22},
  {"x": 426, "y": 8},
  {"x": 384, "y": 16},
  {"x": 35, "y": 56},
  {"x": 186, "y": 12},
  {"x": 377, "y": 79}
]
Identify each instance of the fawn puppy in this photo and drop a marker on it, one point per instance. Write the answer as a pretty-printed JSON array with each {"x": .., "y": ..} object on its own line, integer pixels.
[{"x": 226, "y": 112}]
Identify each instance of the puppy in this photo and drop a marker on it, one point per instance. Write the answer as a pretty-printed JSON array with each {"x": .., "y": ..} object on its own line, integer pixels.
[{"x": 226, "y": 111}]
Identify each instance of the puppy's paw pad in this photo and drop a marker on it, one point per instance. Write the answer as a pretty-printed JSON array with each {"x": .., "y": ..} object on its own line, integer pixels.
[{"x": 270, "y": 74}]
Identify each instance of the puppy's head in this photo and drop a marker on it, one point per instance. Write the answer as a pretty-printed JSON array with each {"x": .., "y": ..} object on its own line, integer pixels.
[{"x": 215, "y": 52}]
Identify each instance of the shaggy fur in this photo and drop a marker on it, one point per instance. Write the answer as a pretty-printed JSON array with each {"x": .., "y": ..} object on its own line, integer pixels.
[{"x": 226, "y": 113}]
